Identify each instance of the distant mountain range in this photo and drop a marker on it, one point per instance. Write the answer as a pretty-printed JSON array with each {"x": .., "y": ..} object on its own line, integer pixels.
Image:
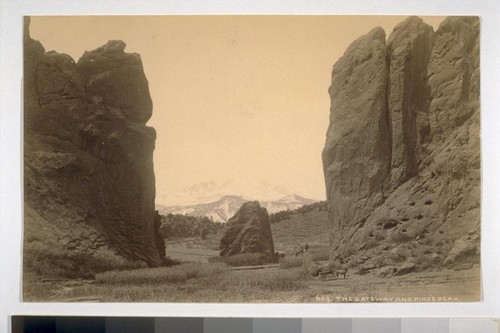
[
  {"x": 224, "y": 208},
  {"x": 211, "y": 191}
]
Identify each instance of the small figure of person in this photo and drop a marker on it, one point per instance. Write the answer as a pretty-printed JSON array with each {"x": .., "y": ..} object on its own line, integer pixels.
[
  {"x": 306, "y": 247},
  {"x": 102, "y": 150}
]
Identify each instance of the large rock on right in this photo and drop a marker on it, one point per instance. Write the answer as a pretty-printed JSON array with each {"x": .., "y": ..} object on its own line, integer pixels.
[
  {"x": 357, "y": 152},
  {"x": 409, "y": 48},
  {"x": 248, "y": 231},
  {"x": 402, "y": 153}
]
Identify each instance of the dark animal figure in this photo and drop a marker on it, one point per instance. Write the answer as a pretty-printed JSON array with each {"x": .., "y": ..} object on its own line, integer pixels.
[
  {"x": 279, "y": 255},
  {"x": 340, "y": 272}
]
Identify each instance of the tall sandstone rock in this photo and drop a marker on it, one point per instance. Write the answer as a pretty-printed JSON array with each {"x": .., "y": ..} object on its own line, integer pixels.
[
  {"x": 357, "y": 153},
  {"x": 88, "y": 154},
  {"x": 408, "y": 50},
  {"x": 401, "y": 159}
]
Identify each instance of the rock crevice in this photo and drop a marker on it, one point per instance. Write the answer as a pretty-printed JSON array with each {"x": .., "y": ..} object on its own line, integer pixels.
[
  {"x": 403, "y": 139},
  {"x": 88, "y": 152}
]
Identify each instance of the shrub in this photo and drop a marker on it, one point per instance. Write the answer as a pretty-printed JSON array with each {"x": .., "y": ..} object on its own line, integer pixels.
[
  {"x": 60, "y": 263},
  {"x": 320, "y": 254},
  {"x": 353, "y": 264},
  {"x": 216, "y": 259},
  {"x": 289, "y": 262}
]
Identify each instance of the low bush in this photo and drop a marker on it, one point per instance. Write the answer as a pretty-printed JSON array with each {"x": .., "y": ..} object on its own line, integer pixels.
[
  {"x": 290, "y": 262},
  {"x": 216, "y": 259},
  {"x": 320, "y": 254},
  {"x": 353, "y": 264},
  {"x": 59, "y": 263}
]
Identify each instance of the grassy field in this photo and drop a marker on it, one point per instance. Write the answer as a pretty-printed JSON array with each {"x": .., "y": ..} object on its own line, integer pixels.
[
  {"x": 201, "y": 282},
  {"x": 311, "y": 228},
  {"x": 198, "y": 280},
  {"x": 214, "y": 283}
]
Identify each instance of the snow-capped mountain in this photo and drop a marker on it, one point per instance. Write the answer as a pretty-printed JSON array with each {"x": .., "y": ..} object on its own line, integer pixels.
[
  {"x": 292, "y": 201},
  {"x": 220, "y": 210},
  {"x": 224, "y": 208},
  {"x": 211, "y": 191}
]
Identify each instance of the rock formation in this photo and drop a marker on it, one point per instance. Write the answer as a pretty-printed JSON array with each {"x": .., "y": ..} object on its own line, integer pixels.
[
  {"x": 88, "y": 153},
  {"x": 401, "y": 158},
  {"x": 357, "y": 153},
  {"x": 408, "y": 49},
  {"x": 248, "y": 231}
]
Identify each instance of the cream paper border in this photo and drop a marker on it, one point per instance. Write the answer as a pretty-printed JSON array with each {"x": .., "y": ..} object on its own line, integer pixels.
[{"x": 12, "y": 11}]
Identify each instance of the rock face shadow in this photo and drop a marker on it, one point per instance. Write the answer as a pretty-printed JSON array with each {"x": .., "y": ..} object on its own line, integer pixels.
[
  {"x": 248, "y": 231},
  {"x": 88, "y": 158},
  {"x": 401, "y": 158}
]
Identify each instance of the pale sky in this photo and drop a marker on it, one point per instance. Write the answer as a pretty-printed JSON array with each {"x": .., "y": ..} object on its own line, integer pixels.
[{"x": 233, "y": 96}]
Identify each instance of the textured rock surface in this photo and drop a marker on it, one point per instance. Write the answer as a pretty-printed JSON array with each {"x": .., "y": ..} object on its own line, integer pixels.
[
  {"x": 60, "y": 95},
  {"x": 33, "y": 50},
  {"x": 463, "y": 247},
  {"x": 88, "y": 155},
  {"x": 429, "y": 195},
  {"x": 405, "y": 269},
  {"x": 357, "y": 153},
  {"x": 248, "y": 231},
  {"x": 453, "y": 75},
  {"x": 408, "y": 50},
  {"x": 117, "y": 80}
]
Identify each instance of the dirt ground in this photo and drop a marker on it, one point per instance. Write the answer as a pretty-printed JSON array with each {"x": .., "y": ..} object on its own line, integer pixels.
[
  {"x": 431, "y": 286},
  {"x": 434, "y": 286},
  {"x": 443, "y": 285}
]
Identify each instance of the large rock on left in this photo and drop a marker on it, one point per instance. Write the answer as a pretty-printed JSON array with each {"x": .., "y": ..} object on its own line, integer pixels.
[
  {"x": 248, "y": 231},
  {"x": 88, "y": 171},
  {"x": 117, "y": 80}
]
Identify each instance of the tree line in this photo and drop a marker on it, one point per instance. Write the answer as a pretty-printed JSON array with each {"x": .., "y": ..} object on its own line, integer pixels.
[
  {"x": 286, "y": 214},
  {"x": 178, "y": 225}
]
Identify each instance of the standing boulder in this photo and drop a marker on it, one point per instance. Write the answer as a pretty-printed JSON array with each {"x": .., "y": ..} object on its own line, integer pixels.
[{"x": 248, "y": 231}]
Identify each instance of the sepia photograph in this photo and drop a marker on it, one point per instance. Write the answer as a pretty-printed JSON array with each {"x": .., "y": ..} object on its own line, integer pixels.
[{"x": 251, "y": 159}]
